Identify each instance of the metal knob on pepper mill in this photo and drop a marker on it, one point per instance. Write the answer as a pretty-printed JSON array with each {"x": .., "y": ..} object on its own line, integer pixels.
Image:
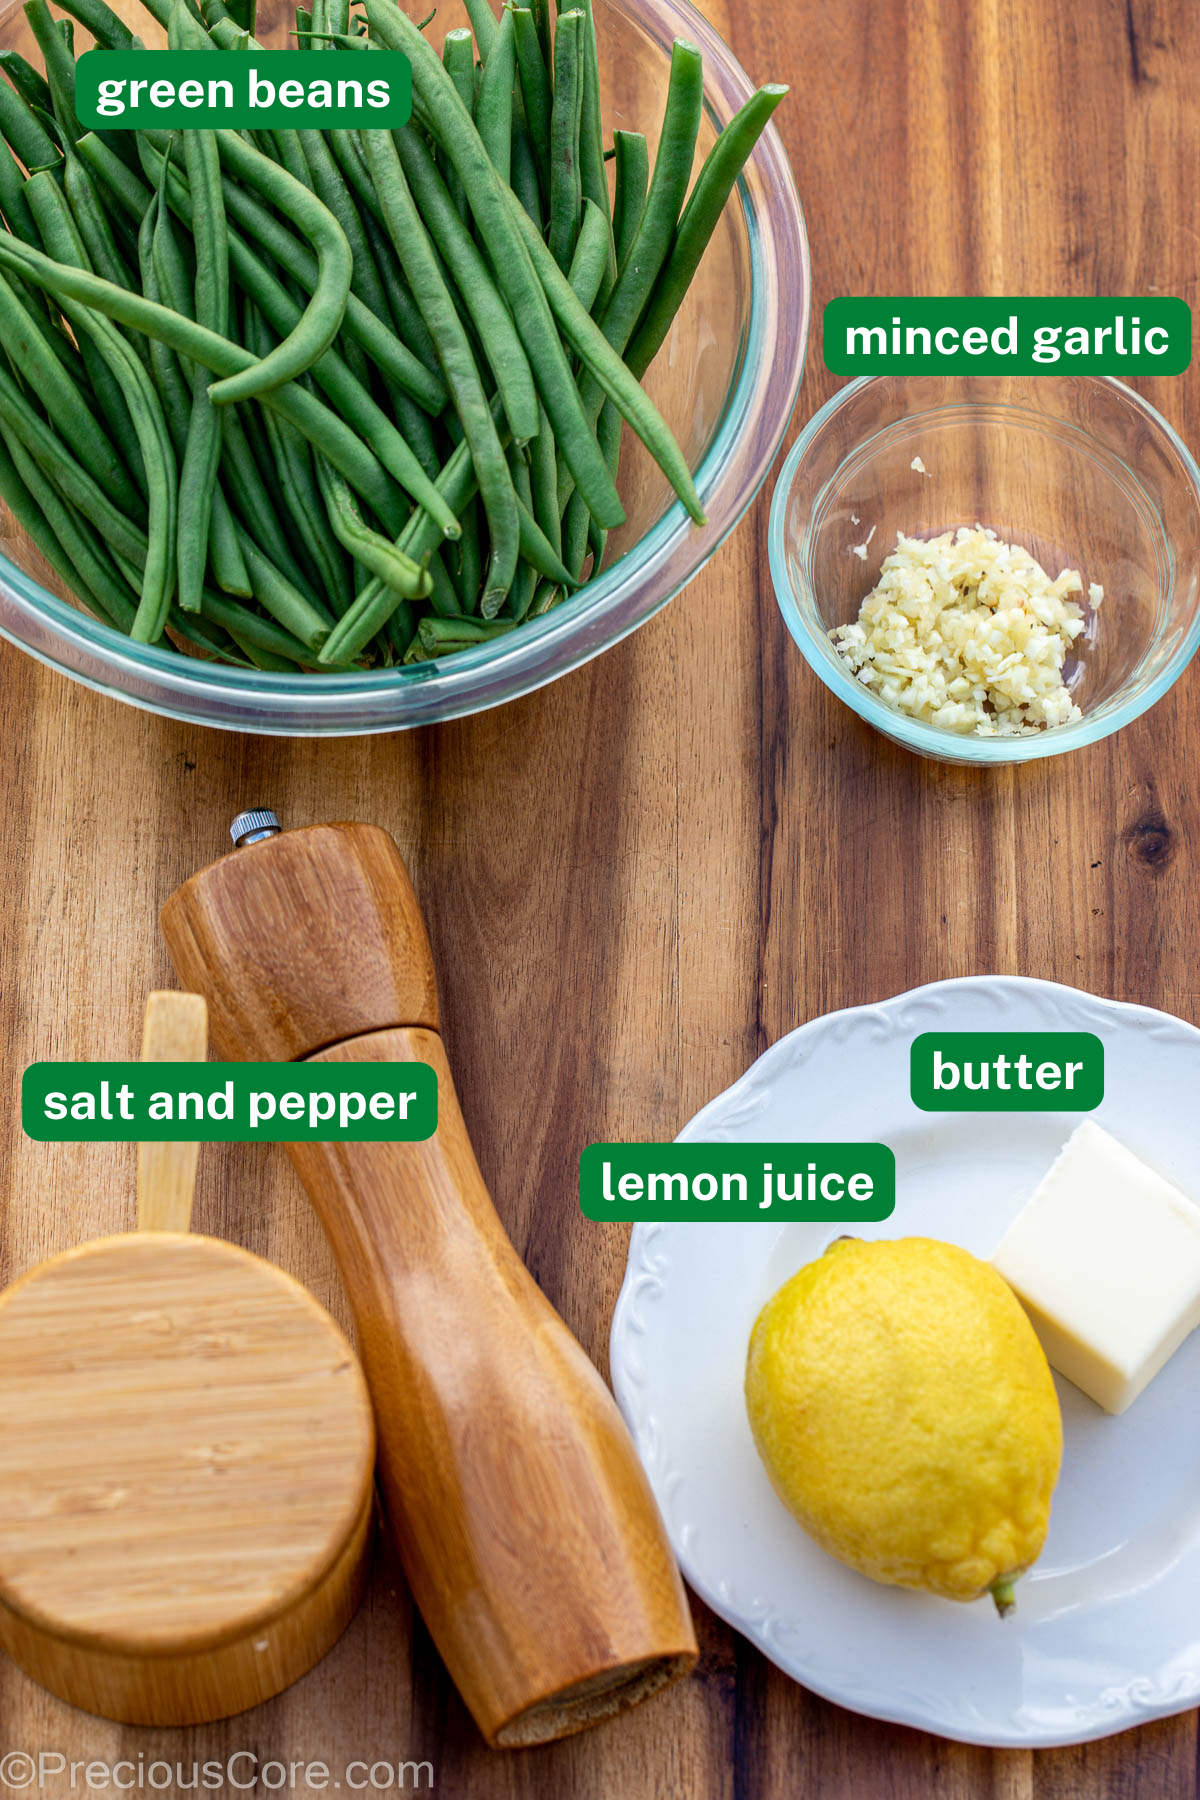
[{"x": 523, "y": 1518}]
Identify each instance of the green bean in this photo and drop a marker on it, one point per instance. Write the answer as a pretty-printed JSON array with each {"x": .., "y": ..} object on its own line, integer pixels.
[
  {"x": 633, "y": 178},
  {"x": 161, "y": 254},
  {"x": 669, "y": 183},
  {"x": 254, "y": 504},
  {"x": 321, "y": 319},
  {"x": 263, "y": 659},
  {"x": 65, "y": 405},
  {"x": 416, "y": 429},
  {"x": 494, "y": 107},
  {"x": 566, "y": 191},
  {"x": 456, "y": 483},
  {"x": 212, "y": 639},
  {"x": 371, "y": 610},
  {"x": 543, "y": 476},
  {"x": 492, "y": 319},
  {"x": 19, "y": 124},
  {"x": 470, "y": 558},
  {"x": 347, "y": 153},
  {"x": 458, "y": 56},
  {"x": 15, "y": 208},
  {"x": 519, "y": 601},
  {"x": 29, "y": 516},
  {"x": 202, "y": 452},
  {"x": 610, "y": 373},
  {"x": 547, "y": 596},
  {"x": 537, "y": 549},
  {"x": 590, "y": 260},
  {"x": 329, "y": 185},
  {"x": 536, "y": 91},
  {"x": 420, "y": 538},
  {"x": 13, "y": 203},
  {"x": 60, "y": 68},
  {"x": 317, "y": 423},
  {"x": 483, "y": 24},
  {"x": 592, "y": 177},
  {"x": 285, "y": 603},
  {"x": 458, "y": 364},
  {"x": 608, "y": 435},
  {"x": 398, "y": 633},
  {"x": 80, "y": 544},
  {"x": 109, "y": 31},
  {"x": 443, "y": 598},
  {"x": 541, "y": 20},
  {"x": 440, "y": 636},
  {"x": 166, "y": 266},
  {"x": 304, "y": 26},
  {"x": 491, "y": 203},
  {"x": 158, "y": 576},
  {"x": 366, "y": 546},
  {"x": 173, "y": 389},
  {"x": 265, "y": 634},
  {"x": 575, "y": 535},
  {"x": 104, "y": 254},
  {"x": 491, "y": 604},
  {"x": 714, "y": 184},
  {"x": 405, "y": 313},
  {"x": 32, "y": 86},
  {"x": 121, "y": 181},
  {"x": 525, "y": 182},
  {"x": 225, "y": 551},
  {"x": 293, "y": 472}
]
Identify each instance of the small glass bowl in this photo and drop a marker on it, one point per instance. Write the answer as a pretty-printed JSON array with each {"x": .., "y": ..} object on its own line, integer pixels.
[
  {"x": 1080, "y": 471},
  {"x": 726, "y": 380}
]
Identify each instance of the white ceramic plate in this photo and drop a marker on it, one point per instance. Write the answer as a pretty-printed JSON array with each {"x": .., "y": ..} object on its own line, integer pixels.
[{"x": 1106, "y": 1633}]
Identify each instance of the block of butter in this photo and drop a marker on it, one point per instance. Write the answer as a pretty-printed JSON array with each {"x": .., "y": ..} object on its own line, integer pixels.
[{"x": 1106, "y": 1259}]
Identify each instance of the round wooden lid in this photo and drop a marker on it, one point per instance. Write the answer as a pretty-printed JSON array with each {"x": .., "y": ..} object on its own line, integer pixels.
[{"x": 186, "y": 1444}]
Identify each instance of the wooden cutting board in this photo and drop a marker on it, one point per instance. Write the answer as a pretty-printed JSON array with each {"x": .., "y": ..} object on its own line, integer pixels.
[{"x": 638, "y": 878}]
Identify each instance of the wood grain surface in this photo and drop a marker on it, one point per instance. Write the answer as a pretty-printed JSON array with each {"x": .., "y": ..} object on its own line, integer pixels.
[{"x": 640, "y": 877}]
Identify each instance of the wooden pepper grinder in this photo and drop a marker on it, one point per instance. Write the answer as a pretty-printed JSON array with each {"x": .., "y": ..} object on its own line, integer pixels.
[{"x": 523, "y": 1518}]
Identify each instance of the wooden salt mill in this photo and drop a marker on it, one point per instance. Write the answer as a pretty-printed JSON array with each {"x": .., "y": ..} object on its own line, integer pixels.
[
  {"x": 523, "y": 1518},
  {"x": 186, "y": 1456}
]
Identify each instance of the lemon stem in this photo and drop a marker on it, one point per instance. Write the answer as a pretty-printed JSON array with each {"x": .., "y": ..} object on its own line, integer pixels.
[{"x": 1002, "y": 1593}]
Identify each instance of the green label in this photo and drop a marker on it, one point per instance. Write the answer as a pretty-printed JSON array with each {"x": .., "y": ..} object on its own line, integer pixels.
[
  {"x": 1150, "y": 334},
  {"x": 157, "y": 90},
  {"x": 737, "y": 1181},
  {"x": 1007, "y": 1071},
  {"x": 229, "y": 1102}
]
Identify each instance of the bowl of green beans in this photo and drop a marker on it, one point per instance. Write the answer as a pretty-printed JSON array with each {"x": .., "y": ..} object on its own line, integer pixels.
[{"x": 324, "y": 433}]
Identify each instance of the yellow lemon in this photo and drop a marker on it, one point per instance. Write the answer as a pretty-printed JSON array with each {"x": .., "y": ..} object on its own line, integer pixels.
[{"x": 907, "y": 1416}]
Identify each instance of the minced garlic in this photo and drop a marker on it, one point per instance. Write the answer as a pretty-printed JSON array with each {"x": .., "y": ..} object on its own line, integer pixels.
[{"x": 969, "y": 633}]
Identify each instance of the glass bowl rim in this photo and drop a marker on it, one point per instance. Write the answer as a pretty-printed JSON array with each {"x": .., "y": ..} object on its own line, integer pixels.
[
  {"x": 915, "y": 734},
  {"x": 756, "y": 410}
]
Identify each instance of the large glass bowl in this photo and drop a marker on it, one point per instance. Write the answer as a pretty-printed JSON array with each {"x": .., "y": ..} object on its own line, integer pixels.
[
  {"x": 1081, "y": 471},
  {"x": 726, "y": 380}
]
